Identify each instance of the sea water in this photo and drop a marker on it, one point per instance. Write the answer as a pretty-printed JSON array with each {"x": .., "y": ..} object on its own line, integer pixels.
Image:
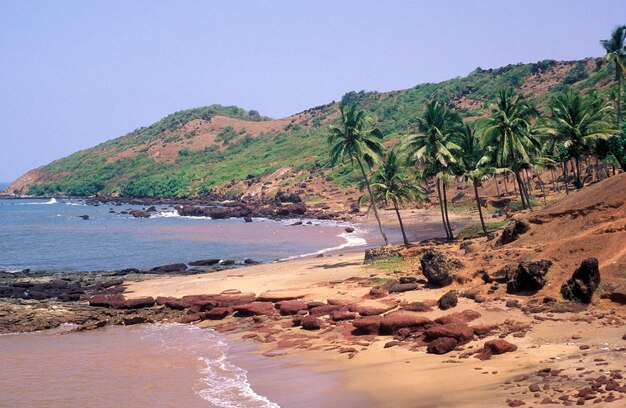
[{"x": 50, "y": 235}]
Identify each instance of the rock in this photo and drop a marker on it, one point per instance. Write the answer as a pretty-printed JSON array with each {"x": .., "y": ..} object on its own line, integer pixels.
[
  {"x": 205, "y": 262},
  {"x": 380, "y": 253},
  {"x": 139, "y": 214},
  {"x": 512, "y": 232},
  {"x": 227, "y": 262},
  {"x": 465, "y": 316},
  {"x": 177, "y": 267},
  {"x": 457, "y": 330},
  {"x": 480, "y": 299},
  {"x": 402, "y": 287},
  {"x": 378, "y": 292},
  {"x": 84, "y": 217},
  {"x": 349, "y": 230},
  {"x": 217, "y": 313},
  {"x": 129, "y": 321},
  {"x": 372, "y": 310},
  {"x": 494, "y": 347},
  {"x": 513, "y": 303},
  {"x": 247, "y": 218},
  {"x": 254, "y": 309},
  {"x": 416, "y": 307},
  {"x": 311, "y": 323},
  {"x": 447, "y": 301},
  {"x": 530, "y": 276},
  {"x": 583, "y": 283},
  {"x": 111, "y": 301},
  {"x": 438, "y": 267},
  {"x": 291, "y": 307},
  {"x": 408, "y": 279},
  {"x": 397, "y": 320},
  {"x": 392, "y": 343},
  {"x": 232, "y": 300},
  {"x": 367, "y": 324},
  {"x": 138, "y": 303},
  {"x": 280, "y": 295},
  {"x": 341, "y": 315},
  {"x": 249, "y": 261},
  {"x": 442, "y": 345},
  {"x": 323, "y": 310}
]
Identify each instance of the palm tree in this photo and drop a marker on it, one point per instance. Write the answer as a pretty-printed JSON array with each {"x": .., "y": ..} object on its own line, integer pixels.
[
  {"x": 473, "y": 164},
  {"x": 615, "y": 48},
  {"x": 577, "y": 121},
  {"x": 357, "y": 140},
  {"x": 392, "y": 186},
  {"x": 508, "y": 133},
  {"x": 433, "y": 149}
]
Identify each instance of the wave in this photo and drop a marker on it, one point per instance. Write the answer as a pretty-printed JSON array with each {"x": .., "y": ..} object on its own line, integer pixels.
[
  {"x": 352, "y": 240},
  {"x": 49, "y": 202},
  {"x": 223, "y": 383}
]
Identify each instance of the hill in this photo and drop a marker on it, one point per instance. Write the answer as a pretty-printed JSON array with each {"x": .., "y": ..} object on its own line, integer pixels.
[{"x": 228, "y": 150}]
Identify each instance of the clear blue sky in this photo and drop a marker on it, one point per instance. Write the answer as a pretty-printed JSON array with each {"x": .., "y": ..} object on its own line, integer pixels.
[{"x": 76, "y": 73}]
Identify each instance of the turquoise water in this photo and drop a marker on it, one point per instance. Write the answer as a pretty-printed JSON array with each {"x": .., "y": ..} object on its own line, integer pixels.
[{"x": 50, "y": 235}]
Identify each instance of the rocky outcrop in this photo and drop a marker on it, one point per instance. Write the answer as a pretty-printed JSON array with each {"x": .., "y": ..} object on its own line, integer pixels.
[
  {"x": 177, "y": 267},
  {"x": 205, "y": 262},
  {"x": 139, "y": 213},
  {"x": 439, "y": 267},
  {"x": 583, "y": 283},
  {"x": 529, "y": 276},
  {"x": 512, "y": 232}
]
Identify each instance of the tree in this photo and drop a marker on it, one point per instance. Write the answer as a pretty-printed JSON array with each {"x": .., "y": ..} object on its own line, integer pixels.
[
  {"x": 392, "y": 186},
  {"x": 577, "y": 121},
  {"x": 508, "y": 133},
  {"x": 433, "y": 149},
  {"x": 615, "y": 48},
  {"x": 473, "y": 164},
  {"x": 356, "y": 140}
]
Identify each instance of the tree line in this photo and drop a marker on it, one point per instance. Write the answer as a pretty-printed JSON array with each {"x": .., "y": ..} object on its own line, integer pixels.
[{"x": 514, "y": 139}]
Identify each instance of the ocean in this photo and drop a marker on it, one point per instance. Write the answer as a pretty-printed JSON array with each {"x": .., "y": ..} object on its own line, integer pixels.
[{"x": 50, "y": 235}]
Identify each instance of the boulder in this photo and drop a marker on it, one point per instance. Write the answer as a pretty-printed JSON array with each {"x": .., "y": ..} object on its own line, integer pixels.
[
  {"x": 310, "y": 323},
  {"x": 291, "y": 307},
  {"x": 111, "y": 301},
  {"x": 512, "y": 232},
  {"x": 456, "y": 329},
  {"x": 416, "y": 307},
  {"x": 323, "y": 310},
  {"x": 224, "y": 300},
  {"x": 349, "y": 230},
  {"x": 341, "y": 315},
  {"x": 255, "y": 309},
  {"x": 442, "y": 345},
  {"x": 465, "y": 316},
  {"x": 438, "y": 267},
  {"x": 380, "y": 253},
  {"x": 367, "y": 324},
  {"x": 583, "y": 283},
  {"x": 139, "y": 214},
  {"x": 217, "y": 313},
  {"x": 372, "y": 309},
  {"x": 205, "y": 262},
  {"x": 138, "y": 303},
  {"x": 494, "y": 347},
  {"x": 530, "y": 276},
  {"x": 402, "y": 287},
  {"x": 177, "y": 267},
  {"x": 397, "y": 320},
  {"x": 448, "y": 301}
]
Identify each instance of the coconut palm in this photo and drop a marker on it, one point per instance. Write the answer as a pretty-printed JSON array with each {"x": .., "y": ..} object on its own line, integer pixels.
[
  {"x": 615, "y": 48},
  {"x": 473, "y": 164},
  {"x": 392, "y": 186},
  {"x": 356, "y": 140},
  {"x": 433, "y": 149},
  {"x": 577, "y": 121},
  {"x": 508, "y": 133}
]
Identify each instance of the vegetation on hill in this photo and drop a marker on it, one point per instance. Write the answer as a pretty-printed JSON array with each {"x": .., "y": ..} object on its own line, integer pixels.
[{"x": 166, "y": 159}]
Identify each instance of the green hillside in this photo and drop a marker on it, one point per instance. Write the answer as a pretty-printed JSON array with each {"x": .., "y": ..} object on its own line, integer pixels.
[{"x": 191, "y": 152}]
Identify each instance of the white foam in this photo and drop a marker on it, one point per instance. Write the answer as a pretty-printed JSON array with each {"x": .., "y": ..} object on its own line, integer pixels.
[
  {"x": 51, "y": 201},
  {"x": 223, "y": 383},
  {"x": 353, "y": 239}
]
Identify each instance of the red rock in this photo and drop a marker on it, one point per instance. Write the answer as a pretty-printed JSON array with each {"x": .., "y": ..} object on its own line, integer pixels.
[
  {"x": 442, "y": 345},
  {"x": 457, "y": 330},
  {"x": 392, "y": 343},
  {"x": 112, "y": 301},
  {"x": 367, "y": 324},
  {"x": 323, "y": 310},
  {"x": 203, "y": 305},
  {"x": 255, "y": 308},
  {"x": 497, "y": 346},
  {"x": 394, "y": 321},
  {"x": 372, "y": 310},
  {"x": 416, "y": 307},
  {"x": 311, "y": 323},
  {"x": 233, "y": 300},
  {"x": 344, "y": 303},
  {"x": 378, "y": 293},
  {"x": 341, "y": 315},
  {"x": 190, "y": 318},
  {"x": 217, "y": 313},
  {"x": 138, "y": 303},
  {"x": 465, "y": 316},
  {"x": 278, "y": 296},
  {"x": 291, "y": 307}
]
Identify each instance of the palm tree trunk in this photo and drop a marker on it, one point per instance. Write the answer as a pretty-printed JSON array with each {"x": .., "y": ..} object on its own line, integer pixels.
[
  {"x": 395, "y": 207},
  {"x": 519, "y": 182},
  {"x": 445, "y": 207},
  {"x": 528, "y": 183},
  {"x": 495, "y": 179},
  {"x": 443, "y": 217},
  {"x": 506, "y": 187},
  {"x": 618, "y": 73},
  {"x": 577, "y": 172},
  {"x": 369, "y": 190},
  {"x": 480, "y": 210}
]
